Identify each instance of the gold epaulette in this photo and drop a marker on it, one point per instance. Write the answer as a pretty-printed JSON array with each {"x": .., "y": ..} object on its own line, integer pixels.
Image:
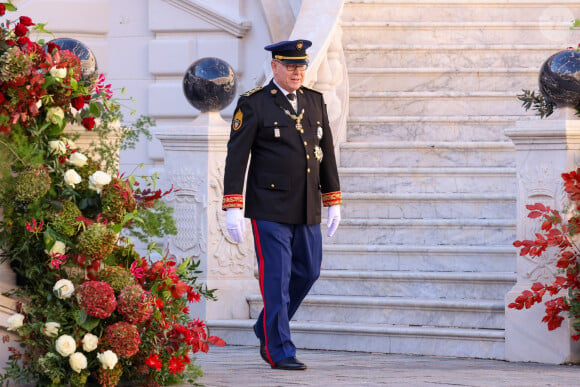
[
  {"x": 254, "y": 90},
  {"x": 311, "y": 89}
]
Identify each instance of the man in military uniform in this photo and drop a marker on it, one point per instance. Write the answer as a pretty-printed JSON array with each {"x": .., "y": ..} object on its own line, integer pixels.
[{"x": 284, "y": 127}]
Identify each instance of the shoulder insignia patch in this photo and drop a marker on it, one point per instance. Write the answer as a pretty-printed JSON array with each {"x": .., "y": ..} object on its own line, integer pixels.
[
  {"x": 254, "y": 90},
  {"x": 237, "y": 120}
]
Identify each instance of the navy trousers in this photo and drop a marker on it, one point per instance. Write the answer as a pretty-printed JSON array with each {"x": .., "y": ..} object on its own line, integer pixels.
[{"x": 289, "y": 258}]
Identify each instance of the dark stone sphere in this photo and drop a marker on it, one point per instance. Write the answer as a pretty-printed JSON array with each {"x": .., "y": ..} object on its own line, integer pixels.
[
  {"x": 88, "y": 61},
  {"x": 209, "y": 84},
  {"x": 560, "y": 79}
]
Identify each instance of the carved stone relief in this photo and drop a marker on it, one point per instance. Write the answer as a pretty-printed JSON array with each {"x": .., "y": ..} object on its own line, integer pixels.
[
  {"x": 540, "y": 184},
  {"x": 188, "y": 203}
]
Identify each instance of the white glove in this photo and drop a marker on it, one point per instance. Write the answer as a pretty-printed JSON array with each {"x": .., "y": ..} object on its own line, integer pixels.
[
  {"x": 333, "y": 219},
  {"x": 235, "y": 224}
]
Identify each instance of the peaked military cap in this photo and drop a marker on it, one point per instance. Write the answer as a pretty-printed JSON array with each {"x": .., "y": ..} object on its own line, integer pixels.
[{"x": 290, "y": 51}]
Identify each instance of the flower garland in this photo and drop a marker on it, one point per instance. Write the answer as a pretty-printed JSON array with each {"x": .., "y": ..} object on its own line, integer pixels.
[{"x": 92, "y": 309}]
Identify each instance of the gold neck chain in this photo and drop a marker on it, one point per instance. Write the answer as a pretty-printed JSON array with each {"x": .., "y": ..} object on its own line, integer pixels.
[{"x": 297, "y": 118}]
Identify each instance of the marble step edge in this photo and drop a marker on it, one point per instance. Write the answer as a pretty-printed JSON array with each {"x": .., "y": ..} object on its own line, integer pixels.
[
  {"x": 431, "y": 94},
  {"x": 438, "y": 70},
  {"x": 415, "y": 249},
  {"x": 451, "y": 47},
  {"x": 476, "y": 25},
  {"x": 429, "y": 171},
  {"x": 398, "y": 302},
  {"x": 429, "y": 145},
  {"x": 441, "y": 119},
  {"x": 434, "y": 223},
  {"x": 371, "y": 329},
  {"x": 396, "y": 275},
  {"x": 380, "y": 196},
  {"x": 469, "y": 3}
]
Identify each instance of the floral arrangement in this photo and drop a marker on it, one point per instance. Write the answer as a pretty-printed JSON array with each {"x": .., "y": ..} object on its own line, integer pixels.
[
  {"x": 91, "y": 309},
  {"x": 557, "y": 235}
]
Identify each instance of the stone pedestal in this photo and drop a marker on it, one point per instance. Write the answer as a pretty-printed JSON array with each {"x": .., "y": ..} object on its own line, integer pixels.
[
  {"x": 544, "y": 150},
  {"x": 194, "y": 165}
]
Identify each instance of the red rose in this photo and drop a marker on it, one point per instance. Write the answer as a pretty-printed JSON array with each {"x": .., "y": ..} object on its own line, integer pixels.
[
  {"x": 26, "y": 21},
  {"x": 23, "y": 40},
  {"x": 20, "y": 29},
  {"x": 2, "y": 9},
  {"x": 78, "y": 103},
  {"x": 89, "y": 122},
  {"x": 52, "y": 46},
  {"x": 2, "y": 98}
]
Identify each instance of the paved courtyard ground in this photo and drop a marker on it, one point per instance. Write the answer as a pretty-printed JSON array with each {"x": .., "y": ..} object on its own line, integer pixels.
[{"x": 242, "y": 366}]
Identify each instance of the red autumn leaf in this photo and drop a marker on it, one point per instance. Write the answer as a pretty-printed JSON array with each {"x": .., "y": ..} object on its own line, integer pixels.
[
  {"x": 216, "y": 341},
  {"x": 536, "y": 206}
]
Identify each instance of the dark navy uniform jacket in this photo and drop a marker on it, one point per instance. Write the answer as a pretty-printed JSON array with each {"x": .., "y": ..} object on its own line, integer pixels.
[{"x": 292, "y": 170}]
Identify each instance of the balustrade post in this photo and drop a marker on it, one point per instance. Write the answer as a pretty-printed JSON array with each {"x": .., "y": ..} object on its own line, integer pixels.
[
  {"x": 194, "y": 165},
  {"x": 544, "y": 150}
]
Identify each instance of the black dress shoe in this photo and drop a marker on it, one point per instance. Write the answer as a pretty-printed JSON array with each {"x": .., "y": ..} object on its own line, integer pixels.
[
  {"x": 290, "y": 364},
  {"x": 263, "y": 353}
]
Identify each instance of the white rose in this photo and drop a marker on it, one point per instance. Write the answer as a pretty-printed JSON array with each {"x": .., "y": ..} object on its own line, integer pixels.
[
  {"x": 77, "y": 159},
  {"x": 71, "y": 177},
  {"x": 63, "y": 288},
  {"x": 108, "y": 359},
  {"x": 57, "y": 146},
  {"x": 77, "y": 361},
  {"x": 98, "y": 180},
  {"x": 90, "y": 342},
  {"x": 58, "y": 73},
  {"x": 15, "y": 321},
  {"x": 51, "y": 329},
  {"x": 58, "y": 248},
  {"x": 65, "y": 345},
  {"x": 55, "y": 115}
]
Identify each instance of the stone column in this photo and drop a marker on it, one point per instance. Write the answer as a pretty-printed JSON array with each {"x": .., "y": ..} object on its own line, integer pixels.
[
  {"x": 194, "y": 165},
  {"x": 544, "y": 150}
]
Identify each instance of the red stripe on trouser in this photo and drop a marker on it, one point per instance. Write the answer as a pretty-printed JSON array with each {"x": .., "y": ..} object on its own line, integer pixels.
[{"x": 261, "y": 281}]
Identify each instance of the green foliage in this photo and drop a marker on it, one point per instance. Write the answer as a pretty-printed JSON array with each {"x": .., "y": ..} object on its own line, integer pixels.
[{"x": 537, "y": 102}]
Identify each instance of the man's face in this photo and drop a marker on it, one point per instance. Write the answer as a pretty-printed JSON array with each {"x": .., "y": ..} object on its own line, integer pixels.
[{"x": 289, "y": 76}]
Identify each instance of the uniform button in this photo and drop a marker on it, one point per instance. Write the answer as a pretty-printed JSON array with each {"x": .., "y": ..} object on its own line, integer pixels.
[
  {"x": 308, "y": 170},
  {"x": 302, "y": 131},
  {"x": 305, "y": 143},
  {"x": 307, "y": 157}
]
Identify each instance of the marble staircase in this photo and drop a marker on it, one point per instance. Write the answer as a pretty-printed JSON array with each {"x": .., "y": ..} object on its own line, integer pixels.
[{"x": 423, "y": 257}]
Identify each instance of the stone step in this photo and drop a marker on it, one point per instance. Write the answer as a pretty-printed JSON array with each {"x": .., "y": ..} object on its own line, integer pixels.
[
  {"x": 427, "y": 154},
  {"x": 428, "y": 206},
  {"x": 457, "y": 32},
  {"x": 383, "y": 55},
  {"x": 445, "y": 285},
  {"x": 436, "y": 103},
  {"x": 475, "y": 10},
  {"x": 381, "y": 338},
  {"x": 431, "y": 128},
  {"x": 476, "y": 232},
  {"x": 488, "y": 314},
  {"x": 419, "y": 257},
  {"x": 428, "y": 180},
  {"x": 438, "y": 78}
]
